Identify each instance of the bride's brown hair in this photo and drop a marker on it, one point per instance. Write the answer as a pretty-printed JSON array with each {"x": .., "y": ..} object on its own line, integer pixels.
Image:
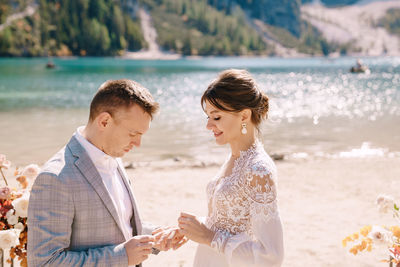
[{"x": 235, "y": 90}]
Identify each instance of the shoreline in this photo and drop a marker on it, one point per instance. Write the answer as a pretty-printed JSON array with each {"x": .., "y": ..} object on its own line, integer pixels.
[{"x": 140, "y": 56}]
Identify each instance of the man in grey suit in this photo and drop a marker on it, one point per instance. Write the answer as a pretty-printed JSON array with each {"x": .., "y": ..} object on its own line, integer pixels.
[{"x": 82, "y": 211}]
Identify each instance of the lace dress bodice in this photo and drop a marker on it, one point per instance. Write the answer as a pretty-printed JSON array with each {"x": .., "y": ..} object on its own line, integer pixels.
[
  {"x": 250, "y": 190},
  {"x": 243, "y": 211}
]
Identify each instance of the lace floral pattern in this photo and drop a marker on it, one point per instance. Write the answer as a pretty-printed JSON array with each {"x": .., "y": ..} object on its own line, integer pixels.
[{"x": 248, "y": 193}]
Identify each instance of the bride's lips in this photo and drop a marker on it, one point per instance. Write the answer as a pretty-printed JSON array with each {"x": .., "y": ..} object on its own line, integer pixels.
[{"x": 217, "y": 134}]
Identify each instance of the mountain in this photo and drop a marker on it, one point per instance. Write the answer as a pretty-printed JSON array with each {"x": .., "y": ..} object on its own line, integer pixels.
[
  {"x": 197, "y": 27},
  {"x": 365, "y": 29},
  {"x": 332, "y": 3},
  {"x": 284, "y": 13}
]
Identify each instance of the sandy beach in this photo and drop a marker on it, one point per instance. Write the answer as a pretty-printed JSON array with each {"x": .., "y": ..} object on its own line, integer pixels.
[{"x": 321, "y": 201}]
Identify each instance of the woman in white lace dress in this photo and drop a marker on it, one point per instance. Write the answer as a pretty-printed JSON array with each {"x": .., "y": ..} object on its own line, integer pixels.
[{"x": 243, "y": 227}]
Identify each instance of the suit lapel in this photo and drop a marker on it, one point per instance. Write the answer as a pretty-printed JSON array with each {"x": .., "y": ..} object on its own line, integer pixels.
[
  {"x": 135, "y": 222},
  {"x": 89, "y": 171}
]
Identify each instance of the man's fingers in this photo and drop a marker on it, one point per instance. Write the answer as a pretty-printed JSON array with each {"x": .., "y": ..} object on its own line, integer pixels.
[
  {"x": 145, "y": 246},
  {"x": 144, "y": 238},
  {"x": 156, "y": 231},
  {"x": 146, "y": 251}
]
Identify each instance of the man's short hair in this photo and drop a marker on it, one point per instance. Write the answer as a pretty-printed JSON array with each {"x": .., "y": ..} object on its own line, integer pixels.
[{"x": 116, "y": 94}]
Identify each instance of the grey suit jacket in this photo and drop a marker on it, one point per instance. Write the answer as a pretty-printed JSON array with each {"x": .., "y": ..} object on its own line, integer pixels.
[{"x": 71, "y": 218}]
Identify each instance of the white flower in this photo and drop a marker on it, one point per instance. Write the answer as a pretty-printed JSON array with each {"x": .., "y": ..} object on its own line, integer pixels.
[
  {"x": 19, "y": 226},
  {"x": 21, "y": 205},
  {"x": 13, "y": 220},
  {"x": 9, "y": 238},
  {"x": 4, "y": 163},
  {"x": 31, "y": 171},
  {"x": 381, "y": 236},
  {"x": 385, "y": 203},
  {"x": 10, "y": 213}
]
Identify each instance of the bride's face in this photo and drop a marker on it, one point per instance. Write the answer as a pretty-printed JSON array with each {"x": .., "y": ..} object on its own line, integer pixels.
[{"x": 226, "y": 126}]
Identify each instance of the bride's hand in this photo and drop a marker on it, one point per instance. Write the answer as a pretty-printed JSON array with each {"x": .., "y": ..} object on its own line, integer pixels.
[
  {"x": 169, "y": 237},
  {"x": 195, "y": 230}
]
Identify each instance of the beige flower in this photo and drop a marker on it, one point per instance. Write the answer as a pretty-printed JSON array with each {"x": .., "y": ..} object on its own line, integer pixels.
[
  {"x": 381, "y": 236},
  {"x": 31, "y": 171},
  {"x": 9, "y": 238},
  {"x": 385, "y": 203},
  {"x": 5, "y": 193},
  {"x": 19, "y": 226},
  {"x": 21, "y": 205}
]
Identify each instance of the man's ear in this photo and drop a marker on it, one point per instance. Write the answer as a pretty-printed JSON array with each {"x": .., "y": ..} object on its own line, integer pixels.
[
  {"x": 103, "y": 120},
  {"x": 246, "y": 115}
]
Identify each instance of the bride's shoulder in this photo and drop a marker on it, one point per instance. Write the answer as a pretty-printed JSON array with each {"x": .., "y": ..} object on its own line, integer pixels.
[
  {"x": 260, "y": 178},
  {"x": 261, "y": 163}
]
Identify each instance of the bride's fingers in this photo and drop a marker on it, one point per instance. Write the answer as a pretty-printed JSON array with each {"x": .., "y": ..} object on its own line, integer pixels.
[
  {"x": 187, "y": 215},
  {"x": 184, "y": 225},
  {"x": 180, "y": 243},
  {"x": 186, "y": 220},
  {"x": 185, "y": 231}
]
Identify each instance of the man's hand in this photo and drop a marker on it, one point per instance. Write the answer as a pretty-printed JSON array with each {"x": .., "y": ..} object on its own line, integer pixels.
[
  {"x": 138, "y": 248},
  {"x": 168, "y": 237}
]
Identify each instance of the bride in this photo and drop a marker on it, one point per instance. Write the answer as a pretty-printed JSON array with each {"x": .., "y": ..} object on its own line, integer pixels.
[{"x": 243, "y": 227}]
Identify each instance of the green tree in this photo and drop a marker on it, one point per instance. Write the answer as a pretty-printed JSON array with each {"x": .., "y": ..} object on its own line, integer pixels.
[{"x": 97, "y": 39}]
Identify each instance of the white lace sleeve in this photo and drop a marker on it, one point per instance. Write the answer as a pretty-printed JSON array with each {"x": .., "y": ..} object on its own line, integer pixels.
[{"x": 265, "y": 245}]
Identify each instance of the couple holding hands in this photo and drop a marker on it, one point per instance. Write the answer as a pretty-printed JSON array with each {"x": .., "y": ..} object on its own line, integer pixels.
[{"x": 82, "y": 211}]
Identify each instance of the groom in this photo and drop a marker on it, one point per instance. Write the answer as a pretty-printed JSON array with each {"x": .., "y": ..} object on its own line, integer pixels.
[{"x": 82, "y": 211}]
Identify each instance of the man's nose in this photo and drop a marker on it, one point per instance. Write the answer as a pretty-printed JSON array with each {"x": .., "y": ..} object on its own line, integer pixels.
[{"x": 137, "y": 141}]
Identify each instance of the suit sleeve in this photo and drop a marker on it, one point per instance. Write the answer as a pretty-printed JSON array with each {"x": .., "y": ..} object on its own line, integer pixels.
[{"x": 50, "y": 219}]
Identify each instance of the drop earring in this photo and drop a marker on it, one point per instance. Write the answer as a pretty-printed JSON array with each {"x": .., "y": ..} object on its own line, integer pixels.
[{"x": 244, "y": 129}]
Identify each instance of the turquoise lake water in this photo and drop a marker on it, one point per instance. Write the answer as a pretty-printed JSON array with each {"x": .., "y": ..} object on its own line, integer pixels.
[{"x": 317, "y": 107}]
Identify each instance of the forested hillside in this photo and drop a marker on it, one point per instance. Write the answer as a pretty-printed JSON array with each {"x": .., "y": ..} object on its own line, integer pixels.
[
  {"x": 391, "y": 21},
  {"x": 196, "y": 28},
  {"x": 71, "y": 27},
  {"x": 187, "y": 27}
]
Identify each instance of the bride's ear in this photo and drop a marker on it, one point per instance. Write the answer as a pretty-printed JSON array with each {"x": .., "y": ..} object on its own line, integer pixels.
[{"x": 246, "y": 115}]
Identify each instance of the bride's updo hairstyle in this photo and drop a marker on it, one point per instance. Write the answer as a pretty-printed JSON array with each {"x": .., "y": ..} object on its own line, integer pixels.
[{"x": 235, "y": 90}]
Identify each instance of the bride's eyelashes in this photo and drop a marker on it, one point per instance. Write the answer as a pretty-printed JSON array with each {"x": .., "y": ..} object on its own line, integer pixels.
[{"x": 216, "y": 118}]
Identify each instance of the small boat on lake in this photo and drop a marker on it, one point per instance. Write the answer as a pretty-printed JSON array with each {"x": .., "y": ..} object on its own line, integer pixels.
[
  {"x": 50, "y": 65},
  {"x": 360, "y": 68}
]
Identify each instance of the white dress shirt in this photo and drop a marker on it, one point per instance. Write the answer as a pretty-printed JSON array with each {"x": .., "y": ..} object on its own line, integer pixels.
[{"x": 107, "y": 166}]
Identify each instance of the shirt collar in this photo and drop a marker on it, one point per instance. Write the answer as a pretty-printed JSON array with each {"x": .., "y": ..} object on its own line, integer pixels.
[{"x": 100, "y": 159}]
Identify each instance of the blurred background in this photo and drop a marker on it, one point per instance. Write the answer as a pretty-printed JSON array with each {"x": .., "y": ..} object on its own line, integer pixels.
[{"x": 55, "y": 54}]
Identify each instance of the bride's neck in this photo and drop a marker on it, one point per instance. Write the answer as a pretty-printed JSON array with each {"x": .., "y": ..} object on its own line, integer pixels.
[{"x": 243, "y": 144}]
